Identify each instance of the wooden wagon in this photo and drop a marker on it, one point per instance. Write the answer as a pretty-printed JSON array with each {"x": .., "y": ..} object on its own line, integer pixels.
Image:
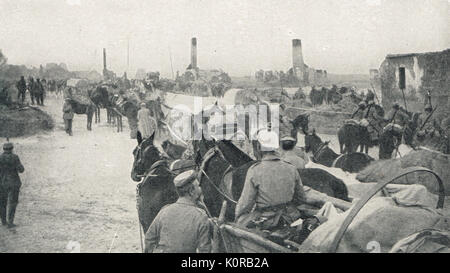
[{"x": 240, "y": 240}]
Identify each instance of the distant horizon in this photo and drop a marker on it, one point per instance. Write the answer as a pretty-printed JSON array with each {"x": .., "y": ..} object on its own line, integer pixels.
[{"x": 240, "y": 37}]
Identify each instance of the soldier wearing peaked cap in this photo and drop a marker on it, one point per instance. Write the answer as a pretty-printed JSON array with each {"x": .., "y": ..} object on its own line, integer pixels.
[
  {"x": 272, "y": 189},
  {"x": 10, "y": 167},
  {"x": 288, "y": 154},
  {"x": 181, "y": 227}
]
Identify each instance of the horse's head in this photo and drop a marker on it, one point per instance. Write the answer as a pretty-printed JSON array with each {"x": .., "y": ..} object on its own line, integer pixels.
[
  {"x": 144, "y": 156},
  {"x": 302, "y": 121},
  {"x": 312, "y": 141},
  {"x": 201, "y": 147}
]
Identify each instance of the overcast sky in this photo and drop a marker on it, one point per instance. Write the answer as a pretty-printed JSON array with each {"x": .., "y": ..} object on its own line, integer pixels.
[{"x": 238, "y": 36}]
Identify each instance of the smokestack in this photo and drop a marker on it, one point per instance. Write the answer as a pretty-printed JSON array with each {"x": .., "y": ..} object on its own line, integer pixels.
[
  {"x": 194, "y": 52},
  {"x": 297, "y": 55},
  {"x": 104, "y": 59}
]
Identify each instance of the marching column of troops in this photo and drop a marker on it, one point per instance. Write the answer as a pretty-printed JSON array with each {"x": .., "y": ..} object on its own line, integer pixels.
[{"x": 34, "y": 87}]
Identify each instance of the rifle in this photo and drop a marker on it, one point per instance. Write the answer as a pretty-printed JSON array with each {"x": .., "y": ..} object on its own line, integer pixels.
[{"x": 428, "y": 118}]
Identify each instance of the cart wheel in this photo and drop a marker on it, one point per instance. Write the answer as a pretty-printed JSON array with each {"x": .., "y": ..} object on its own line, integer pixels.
[{"x": 363, "y": 201}]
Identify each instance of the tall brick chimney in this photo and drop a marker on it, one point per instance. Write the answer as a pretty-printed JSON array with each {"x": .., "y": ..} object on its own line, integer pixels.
[
  {"x": 297, "y": 59},
  {"x": 297, "y": 55},
  {"x": 104, "y": 59},
  {"x": 194, "y": 52}
]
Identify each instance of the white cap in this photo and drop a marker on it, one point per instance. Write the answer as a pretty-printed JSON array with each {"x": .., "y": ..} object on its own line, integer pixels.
[{"x": 269, "y": 140}]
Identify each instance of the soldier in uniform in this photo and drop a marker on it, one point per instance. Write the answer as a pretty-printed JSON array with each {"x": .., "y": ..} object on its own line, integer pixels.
[
  {"x": 272, "y": 189},
  {"x": 428, "y": 126},
  {"x": 68, "y": 116},
  {"x": 181, "y": 227},
  {"x": 359, "y": 113},
  {"x": 370, "y": 96},
  {"x": 288, "y": 154},
  {"x": 10, "y": 167},
  {"x": 31, "y": 89},
  {"x": 286, "y": 126},
  {"x": 374, "y": 121},
  {"x": 146, "y": 123},
  {"x": 397, "y": 116},
  {"x": 39, "y": 92},
  {"x": 22, "y": 87}
]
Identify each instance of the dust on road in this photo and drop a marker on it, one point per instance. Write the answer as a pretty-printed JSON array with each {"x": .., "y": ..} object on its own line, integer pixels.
[{"x": 75, "y": 190}]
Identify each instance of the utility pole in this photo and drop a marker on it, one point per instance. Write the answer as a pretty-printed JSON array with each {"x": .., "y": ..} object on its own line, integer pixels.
[
  {"x": 128, "y": 53},
  {"x": 171, "y": 65}
]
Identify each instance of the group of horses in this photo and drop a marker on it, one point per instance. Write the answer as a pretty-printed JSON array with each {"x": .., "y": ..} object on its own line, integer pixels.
[
  {"x": 98, "y": 97},
  {"x": 222, "y": 168}
]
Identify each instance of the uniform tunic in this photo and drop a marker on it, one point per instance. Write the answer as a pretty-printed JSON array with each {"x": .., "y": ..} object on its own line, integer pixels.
[
  {"x": 181, "y": 227},
  {"x": 146, "y": 124},
  {"x": 269, "y": 183},
  {"x": 374, "y": 120},
  {"x": 10, "y": 183},
  {"x": 294, "y": 159},
  {"x": 10, "y": 166},
  {"x": 67, "y": 110}
]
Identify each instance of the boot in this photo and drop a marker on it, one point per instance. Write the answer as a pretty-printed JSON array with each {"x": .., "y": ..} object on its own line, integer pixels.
[
  {"x": 11, "y": 213},
  {"x": 3, "y": 215}
]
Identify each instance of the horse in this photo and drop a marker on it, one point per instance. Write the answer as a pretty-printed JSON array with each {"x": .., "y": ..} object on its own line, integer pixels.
[
  {"x": 332, "y": 96},
  {"x": 154, "y": 192},
  {"x": 350, "y": 136},
  {"x": 316, "y": 96},
  {"x": 392, "y": 135},
  {"x": 174, "y": 151},
  {"x": 100, "y": 97},
  {"x": 83, "y": 109},
  {"x": 156, "y": 189},
  {"x": 127, "y": 109},
  {"x": 322, "y": 154}
]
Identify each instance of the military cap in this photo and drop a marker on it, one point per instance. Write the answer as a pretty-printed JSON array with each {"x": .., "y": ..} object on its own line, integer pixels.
[
  {"x": 184, "y": 178},
  {"x": 362, "y": 103},
  {"x": 143, "y": 104},
  {"x": 287, "y": 138},
  {"x": 8, "y": 146},
  {"x": 268, "y": 140},
  {"x": 396, "y": 105},
  {"x": 428, "y": 107}
]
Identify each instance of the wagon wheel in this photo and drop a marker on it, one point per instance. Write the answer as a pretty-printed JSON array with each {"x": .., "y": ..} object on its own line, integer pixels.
[{"x": 363, "y": 201}]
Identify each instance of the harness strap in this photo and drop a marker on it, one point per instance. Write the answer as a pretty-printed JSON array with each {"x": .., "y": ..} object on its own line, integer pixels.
[
  {"x": 319, "y": 151},
  {"x": 336, "y": 160}
]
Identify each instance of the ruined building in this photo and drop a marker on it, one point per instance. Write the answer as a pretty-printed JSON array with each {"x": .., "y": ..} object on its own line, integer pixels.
[
  {"x": 303, "y": 73},
  {"x": 423, "y": 72},
  {"x": 299, "y": 74},
  {"x": 203, "y": 81}
]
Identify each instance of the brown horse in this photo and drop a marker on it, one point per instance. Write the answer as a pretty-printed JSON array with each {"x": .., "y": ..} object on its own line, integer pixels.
[
  {"x": 322, "y": 154},
  {"x": 83, "y": 109}
]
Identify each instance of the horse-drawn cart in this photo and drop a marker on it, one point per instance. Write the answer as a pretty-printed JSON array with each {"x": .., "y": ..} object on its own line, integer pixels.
[{"x": 241, "y": 240}]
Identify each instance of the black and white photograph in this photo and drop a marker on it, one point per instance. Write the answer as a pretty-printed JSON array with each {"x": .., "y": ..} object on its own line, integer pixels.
[{"x": 231, "y": 127}]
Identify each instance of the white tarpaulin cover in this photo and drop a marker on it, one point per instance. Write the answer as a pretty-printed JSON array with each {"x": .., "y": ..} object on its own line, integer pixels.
[{"x": 381, "y": 223}]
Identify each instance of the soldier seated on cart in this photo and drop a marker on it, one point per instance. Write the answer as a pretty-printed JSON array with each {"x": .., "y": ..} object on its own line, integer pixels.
[{"x": 272, "y": 189}]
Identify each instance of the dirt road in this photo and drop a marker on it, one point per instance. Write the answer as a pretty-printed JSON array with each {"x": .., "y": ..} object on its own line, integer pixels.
[{"x": 77, "y": 193}]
